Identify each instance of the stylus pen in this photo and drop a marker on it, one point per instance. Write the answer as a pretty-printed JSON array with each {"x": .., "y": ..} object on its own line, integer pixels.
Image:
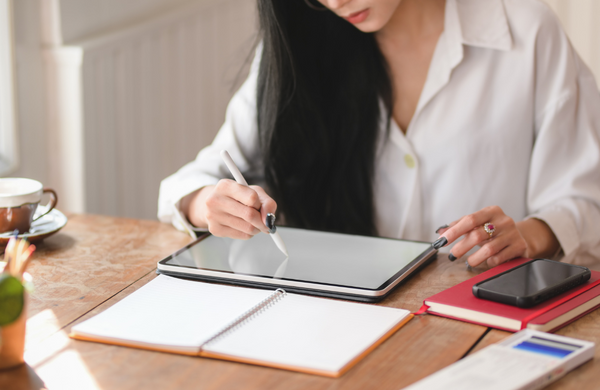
[{"x": 270, "y": 223}]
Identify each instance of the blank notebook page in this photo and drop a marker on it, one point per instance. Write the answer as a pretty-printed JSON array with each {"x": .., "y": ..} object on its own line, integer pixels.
[
  {"x": 171, "y": 312},
  {"x": 315, "y": 333}
]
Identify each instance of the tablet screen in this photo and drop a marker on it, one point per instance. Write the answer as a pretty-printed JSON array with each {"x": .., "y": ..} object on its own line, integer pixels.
[{"x": 317, "y": 257}]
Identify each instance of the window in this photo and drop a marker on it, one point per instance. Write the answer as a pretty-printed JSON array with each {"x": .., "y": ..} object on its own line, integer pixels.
[{"x": 8, "y": 135}]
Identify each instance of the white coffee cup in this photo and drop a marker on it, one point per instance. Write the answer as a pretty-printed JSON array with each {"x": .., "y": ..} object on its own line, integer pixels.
[{"x": 19, "y": 198}]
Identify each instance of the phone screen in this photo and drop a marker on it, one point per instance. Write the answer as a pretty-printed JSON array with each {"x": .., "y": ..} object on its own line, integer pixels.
[{"x": 531, "y": 278}]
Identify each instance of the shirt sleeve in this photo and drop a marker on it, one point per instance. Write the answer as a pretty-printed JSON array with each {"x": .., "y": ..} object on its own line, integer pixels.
[
  {"x": 564, "y": 178},
  {"x": 238, "y": 135}
]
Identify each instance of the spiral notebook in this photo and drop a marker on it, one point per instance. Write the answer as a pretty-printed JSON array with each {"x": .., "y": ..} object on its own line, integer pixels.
[{"x": 270, "y": 328}]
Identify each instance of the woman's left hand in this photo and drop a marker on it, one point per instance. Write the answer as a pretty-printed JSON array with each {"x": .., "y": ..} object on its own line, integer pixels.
[{"x": 505, "y": 243}]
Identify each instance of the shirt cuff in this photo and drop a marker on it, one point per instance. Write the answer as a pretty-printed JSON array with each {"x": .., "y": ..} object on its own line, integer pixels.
[
  {"x": 181, "y": 223},
  {"x": 171, "y": 194},
  {"x": 564, "y": 228}
]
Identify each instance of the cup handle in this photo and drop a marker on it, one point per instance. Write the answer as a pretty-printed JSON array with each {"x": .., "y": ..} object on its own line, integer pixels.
[{"x": 52, "y": 203}]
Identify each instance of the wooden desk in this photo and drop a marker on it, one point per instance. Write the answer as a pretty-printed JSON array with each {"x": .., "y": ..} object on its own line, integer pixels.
[{"x": 96, "y": 261}]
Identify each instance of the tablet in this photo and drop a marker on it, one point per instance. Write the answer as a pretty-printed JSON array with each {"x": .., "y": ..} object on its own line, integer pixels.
[{"x": 320, "y": 263}]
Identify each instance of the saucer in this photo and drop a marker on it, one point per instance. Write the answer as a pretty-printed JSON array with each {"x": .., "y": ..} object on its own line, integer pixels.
[{"x": 40, "y": 229}]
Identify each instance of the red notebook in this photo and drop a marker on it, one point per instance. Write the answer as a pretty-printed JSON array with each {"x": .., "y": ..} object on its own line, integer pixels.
[{"x": 459, "y": 303}]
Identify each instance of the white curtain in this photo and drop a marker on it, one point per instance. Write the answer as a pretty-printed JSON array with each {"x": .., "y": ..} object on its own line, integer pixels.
[{"x": 8, "y": 140}]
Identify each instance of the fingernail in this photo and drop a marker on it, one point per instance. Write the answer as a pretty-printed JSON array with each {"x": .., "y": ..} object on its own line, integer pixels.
[
  {"x": 270, "y": 222},
  {"x": 468, "y": 265},
  {"x": 441, "y": 227},
  {"x": 440, "y": 242},
  {"x": 451, "y": 257}
]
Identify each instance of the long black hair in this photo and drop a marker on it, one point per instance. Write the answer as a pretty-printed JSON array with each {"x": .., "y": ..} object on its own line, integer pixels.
[{"x": 320, "y": 85}]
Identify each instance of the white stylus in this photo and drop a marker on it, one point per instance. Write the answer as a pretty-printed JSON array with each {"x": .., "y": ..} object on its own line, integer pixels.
[{"x": 270, "y": 223}]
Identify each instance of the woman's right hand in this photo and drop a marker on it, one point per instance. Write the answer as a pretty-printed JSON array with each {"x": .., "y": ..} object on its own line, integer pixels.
[{"x": 229, "y": 209}]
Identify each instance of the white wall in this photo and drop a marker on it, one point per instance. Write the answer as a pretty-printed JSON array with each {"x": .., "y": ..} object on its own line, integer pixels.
[
  {"x": 132, "y": 105},
  {"x": 9, "y": 156},
  {"x": 77, "y": 21},
  {"x": 581, "y": 20},
  {"x": 81, "y": 19},
  {"x": 30, "y": 91}
]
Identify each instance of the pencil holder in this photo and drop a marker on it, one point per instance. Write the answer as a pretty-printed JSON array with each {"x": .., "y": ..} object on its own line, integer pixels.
[{"x": 12, "y": 345}]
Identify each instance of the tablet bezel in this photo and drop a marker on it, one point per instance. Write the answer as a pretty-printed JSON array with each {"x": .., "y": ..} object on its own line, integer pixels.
[{"x": 296, "y": 286}]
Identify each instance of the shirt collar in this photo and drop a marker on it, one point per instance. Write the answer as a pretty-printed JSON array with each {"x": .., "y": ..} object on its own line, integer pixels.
[{"x": 480, "y": 23}]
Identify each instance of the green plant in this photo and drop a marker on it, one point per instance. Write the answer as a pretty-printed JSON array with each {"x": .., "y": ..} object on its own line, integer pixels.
[{"x": 12, "y": 299}]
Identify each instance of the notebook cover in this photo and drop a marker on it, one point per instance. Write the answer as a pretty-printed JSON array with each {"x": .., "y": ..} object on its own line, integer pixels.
[{"x": 461, "y": 296}]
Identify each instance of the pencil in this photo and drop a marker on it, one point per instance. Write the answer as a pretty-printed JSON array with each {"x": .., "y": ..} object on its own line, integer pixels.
[{"x": 24, "y": 261}]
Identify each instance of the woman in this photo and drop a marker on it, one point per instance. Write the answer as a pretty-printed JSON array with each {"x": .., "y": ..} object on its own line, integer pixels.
[{"x": 393, "y": 117}]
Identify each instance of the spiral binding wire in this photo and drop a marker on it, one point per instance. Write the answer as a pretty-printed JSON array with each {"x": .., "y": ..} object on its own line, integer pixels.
[{"x": 248, "y": 316}]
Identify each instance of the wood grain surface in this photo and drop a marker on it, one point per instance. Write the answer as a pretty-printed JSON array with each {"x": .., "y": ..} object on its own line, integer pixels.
[
  {"x": 95, "y": 261},
  {"x": 89, "y": 261}
]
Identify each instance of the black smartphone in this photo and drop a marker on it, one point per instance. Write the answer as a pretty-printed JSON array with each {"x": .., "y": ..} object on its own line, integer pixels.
[{"x": 531, "y": 283}]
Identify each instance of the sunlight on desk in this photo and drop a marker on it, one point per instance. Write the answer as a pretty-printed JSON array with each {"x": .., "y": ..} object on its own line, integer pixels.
[
  {"x": 40, "y": 326},
  {"x": 43, "y": 356}
]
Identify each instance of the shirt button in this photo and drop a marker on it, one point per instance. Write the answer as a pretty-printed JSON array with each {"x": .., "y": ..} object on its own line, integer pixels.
[{"x": 409, "y": 161}]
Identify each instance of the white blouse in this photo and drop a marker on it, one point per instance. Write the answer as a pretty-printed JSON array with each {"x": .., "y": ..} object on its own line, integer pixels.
[{"x": 509, "y": 116}]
